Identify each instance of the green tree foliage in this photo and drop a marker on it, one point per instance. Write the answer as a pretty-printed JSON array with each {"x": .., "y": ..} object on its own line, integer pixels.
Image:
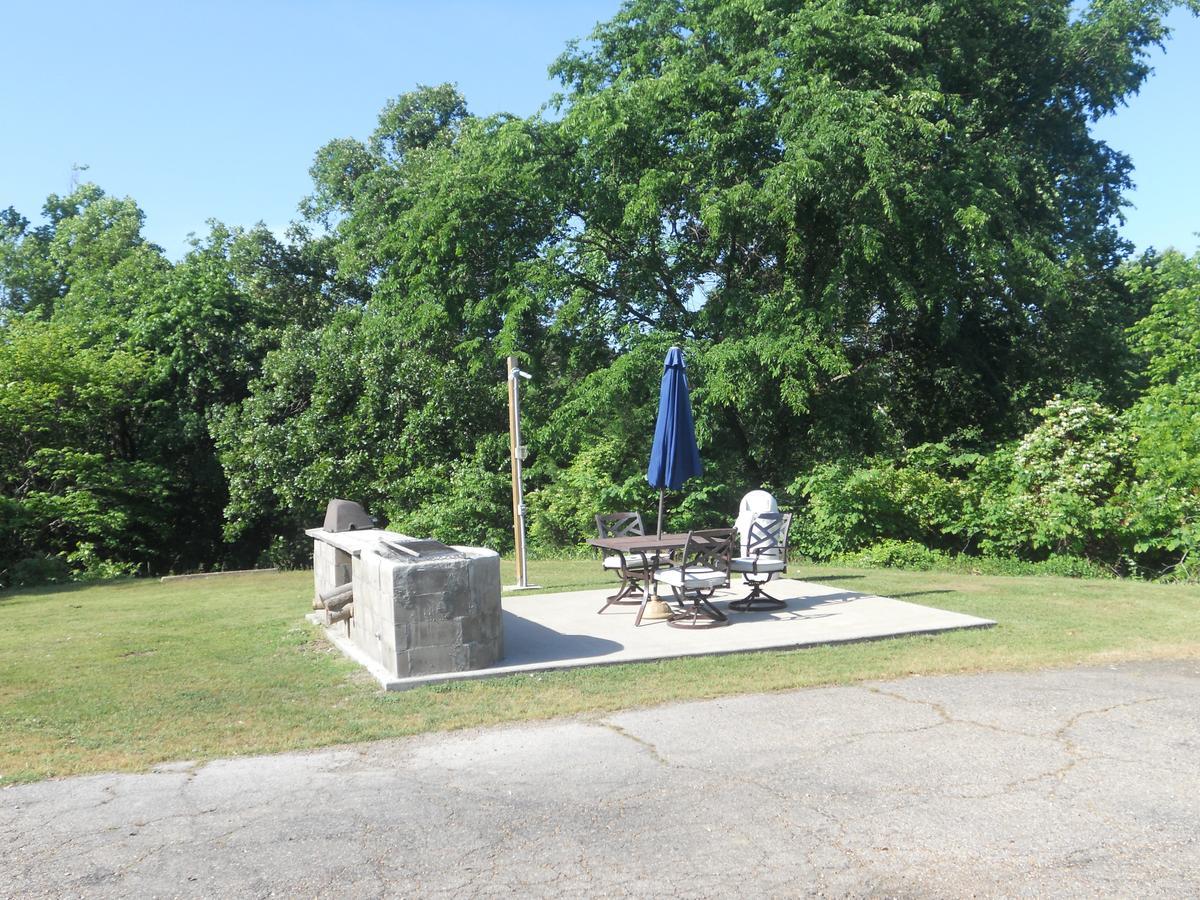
[
  {"x": 882, "y": 233},
  {"x": 115, "y": 361},
  {"x": 72, "y": 486},
  {"x": 1166, "y": 418},
  {"x": 855, "y": 206},
  {"x": 1061, "y": 490}
]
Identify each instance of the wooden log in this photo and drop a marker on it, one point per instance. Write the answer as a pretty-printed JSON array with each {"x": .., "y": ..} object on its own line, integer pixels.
[
  {"x": 335, "y": 593},
  {"x": 317, "y": 602},
  {"x": 342, "y": 614},
  {"x": 333, "y": 604}
]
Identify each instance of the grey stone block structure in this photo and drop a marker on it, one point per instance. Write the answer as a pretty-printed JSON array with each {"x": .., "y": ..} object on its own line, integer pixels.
[
  {"x": 427, "y": 616},
  {"x": 331, "y": 567},
  {"x": 414, "y": 616},
  {"x": 333, "y": 552}
]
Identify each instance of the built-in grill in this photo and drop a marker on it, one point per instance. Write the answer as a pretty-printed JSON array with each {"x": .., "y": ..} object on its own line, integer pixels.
[{"x": 415, "y": 606}]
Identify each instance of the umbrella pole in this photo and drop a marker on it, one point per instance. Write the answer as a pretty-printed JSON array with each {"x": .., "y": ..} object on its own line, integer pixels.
[{"x": 656, "y": 608}]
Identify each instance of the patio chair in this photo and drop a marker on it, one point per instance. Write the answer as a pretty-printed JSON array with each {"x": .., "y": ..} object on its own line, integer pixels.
[
  {"x": 764, "y": 556},
  {"x": 633, "y": 569},
  {"x": 703, "y": 568}
]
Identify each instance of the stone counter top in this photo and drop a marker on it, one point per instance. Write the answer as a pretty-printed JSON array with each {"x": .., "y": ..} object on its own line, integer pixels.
[{"x": 354, "y": 542}]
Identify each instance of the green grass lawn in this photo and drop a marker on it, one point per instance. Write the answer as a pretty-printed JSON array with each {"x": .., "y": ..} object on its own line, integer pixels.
[{"x": 122, "y": 676}]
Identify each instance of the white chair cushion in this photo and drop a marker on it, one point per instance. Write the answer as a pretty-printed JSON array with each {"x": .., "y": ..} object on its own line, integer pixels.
[
  {"x": 692, "y": 578},
  {"x": 633, "y": 560},
  {"x": 765, "y": 564}
]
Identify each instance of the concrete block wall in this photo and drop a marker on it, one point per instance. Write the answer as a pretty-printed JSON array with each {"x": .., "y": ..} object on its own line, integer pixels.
[
  {"x": 429, "y": 616},
  {"x": 331, "y": 567}
]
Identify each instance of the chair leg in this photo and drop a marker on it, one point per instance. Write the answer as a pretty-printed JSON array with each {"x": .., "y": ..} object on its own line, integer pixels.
[
  {"x": 642, "y": 608},
  {"x": 758, "y": 600},
  {"x": 629, "y": 586},
  {"x": 702, "y": 614}
]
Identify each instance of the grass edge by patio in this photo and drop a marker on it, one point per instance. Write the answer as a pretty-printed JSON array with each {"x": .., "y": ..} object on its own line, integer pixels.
[{"x": 123, "y": 676}]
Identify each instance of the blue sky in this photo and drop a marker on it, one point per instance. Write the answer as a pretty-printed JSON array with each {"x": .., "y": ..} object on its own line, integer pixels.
[{"x": 214, "y": 109}]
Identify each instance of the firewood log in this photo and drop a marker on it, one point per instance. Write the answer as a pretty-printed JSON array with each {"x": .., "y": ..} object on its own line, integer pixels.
[
  {"x": 335, "y": 603},
  {"x": 345, "y": 612},
  {"x": 335, "y": 593}
]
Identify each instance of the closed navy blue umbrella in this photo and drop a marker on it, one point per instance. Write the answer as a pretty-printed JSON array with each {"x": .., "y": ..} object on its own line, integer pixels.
[{"x": 674, "y": 457}]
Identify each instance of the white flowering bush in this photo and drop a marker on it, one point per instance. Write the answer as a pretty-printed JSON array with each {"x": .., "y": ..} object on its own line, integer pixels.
[
  {"x": 1057, "y": 492},
  {"x": 1070, "y": 472}
]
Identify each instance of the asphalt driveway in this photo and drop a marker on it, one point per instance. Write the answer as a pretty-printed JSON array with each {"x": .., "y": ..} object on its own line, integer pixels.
[{"x": 1080, "y": 782}]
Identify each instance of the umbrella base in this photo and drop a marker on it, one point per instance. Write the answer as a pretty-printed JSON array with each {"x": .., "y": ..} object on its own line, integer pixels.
[{"x": 658, "y": 610}]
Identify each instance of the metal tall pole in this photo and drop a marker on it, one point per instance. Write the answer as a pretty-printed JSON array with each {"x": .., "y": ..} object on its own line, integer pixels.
[{"x": 517, "y": 453}]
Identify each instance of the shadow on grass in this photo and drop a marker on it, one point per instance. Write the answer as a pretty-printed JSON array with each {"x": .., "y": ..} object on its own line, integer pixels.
[
  {"x": 8, "y": 595},
  {"x": 922, "y": 593}
]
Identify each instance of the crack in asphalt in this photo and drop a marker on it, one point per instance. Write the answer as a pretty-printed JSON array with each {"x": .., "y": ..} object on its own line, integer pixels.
[
  {"x": 1059, "y": 735},
  {"x": 640, "y": 741},
  {"x": 534, "y": 821}
]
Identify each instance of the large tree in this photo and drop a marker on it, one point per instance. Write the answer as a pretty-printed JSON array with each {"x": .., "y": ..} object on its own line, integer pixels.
[
  {"x": 876, "y": 222},
  {"x": 869, "y": 223},
  {"x": 112, "y": 362}
]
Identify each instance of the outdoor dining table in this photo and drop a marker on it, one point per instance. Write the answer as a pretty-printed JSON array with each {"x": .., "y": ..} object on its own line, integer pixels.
[{"x": 642, "y": 543}]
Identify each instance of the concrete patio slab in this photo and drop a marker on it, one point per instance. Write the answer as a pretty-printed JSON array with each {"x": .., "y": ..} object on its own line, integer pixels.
[{"x": 563, "y": 630}]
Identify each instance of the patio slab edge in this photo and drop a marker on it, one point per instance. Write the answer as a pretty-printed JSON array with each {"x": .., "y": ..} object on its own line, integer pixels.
[{"x": 389, "y": 682}]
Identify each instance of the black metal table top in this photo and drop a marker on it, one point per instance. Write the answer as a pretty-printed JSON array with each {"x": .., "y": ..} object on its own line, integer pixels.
[{"x": 641, "y": 542}]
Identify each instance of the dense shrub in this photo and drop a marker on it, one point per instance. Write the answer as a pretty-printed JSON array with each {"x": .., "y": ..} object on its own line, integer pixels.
[
  {"x": 464, "y": 502},
  {"x": 1058, "y": 492},
  {"x": 918, "y": 498},
  {"x": 916, "y": 557},
  {"x": 894, "y": 554},
  {"x": 1164, "y": 501},
  {"x": 36, "y": 570}
]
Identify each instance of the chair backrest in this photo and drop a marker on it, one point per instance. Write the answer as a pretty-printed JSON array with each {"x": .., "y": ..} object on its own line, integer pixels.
[
  {"x": 622, "y": 524},
  {"x": 711, "y": 547},
  {"x": 784, "y": 529},
  {"x": 753, "y": 505},
  {"x": 767, "y": 535}
]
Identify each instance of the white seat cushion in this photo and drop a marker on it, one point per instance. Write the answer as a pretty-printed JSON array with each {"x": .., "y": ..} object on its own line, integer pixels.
[
  {"x": 765, "y": 564},
  {"x": 692, "y": 578},
  {"x": 633, "y": 560}
]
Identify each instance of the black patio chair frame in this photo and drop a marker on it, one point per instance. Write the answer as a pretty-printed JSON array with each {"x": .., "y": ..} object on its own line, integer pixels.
[
  {"x": 768, "y": 536},
  {"x": 635, "y": 569},
  {"x": 709, "y": 549}
]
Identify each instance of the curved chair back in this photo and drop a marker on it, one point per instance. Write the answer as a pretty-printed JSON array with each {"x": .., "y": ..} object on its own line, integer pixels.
[
  {"x": 768, "y": 535},
  {"x": 622, "y": 524},
  {"x": 711, "y": 547},
  {"x": 753, "y": 505}
]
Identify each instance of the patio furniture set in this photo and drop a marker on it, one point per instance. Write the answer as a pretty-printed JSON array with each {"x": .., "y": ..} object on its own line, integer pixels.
[{"x": 693, "y": 565}]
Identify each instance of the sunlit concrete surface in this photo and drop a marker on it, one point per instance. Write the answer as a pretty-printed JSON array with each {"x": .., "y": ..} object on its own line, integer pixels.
[{"x": 563, "y": 630}]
